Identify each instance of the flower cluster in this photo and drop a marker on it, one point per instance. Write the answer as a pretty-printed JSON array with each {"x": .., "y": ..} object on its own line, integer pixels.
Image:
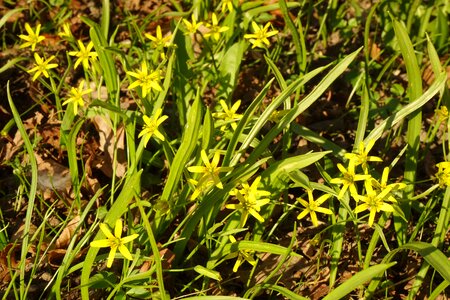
[
  {"x": 377, "y": 195},
  {"x": 210, "y": 172},
  {"x": 249, "y": 202},
  {"x": 443, "y": 174}
]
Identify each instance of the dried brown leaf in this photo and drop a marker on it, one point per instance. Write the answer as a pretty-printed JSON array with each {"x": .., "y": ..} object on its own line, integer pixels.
[
  {"x": 68, "y": 232},
  {"x": 109, "y": 142}
]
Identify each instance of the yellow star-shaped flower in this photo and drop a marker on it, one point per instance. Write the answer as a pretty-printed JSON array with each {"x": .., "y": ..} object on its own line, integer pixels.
[
  {"x": 65, "y": 31},
  {"x": 33, "y": 37},
  {"x": 227, "y": 4},
  {"x": 42, "y": 66},
  {"x": 443, "y": 174},
  {"x": 114, "y": 242},
  {"x": 191, "y": 28},
  {"x": 229, "y": 114},
  {"x": 312, "y": 206},
  {"x": 242, "y": 255},
  {"x": 260, "y": 35},
  {"x": 151, "y": 126},
  {"x": 362, "y": 157},
  {"x": 373, "y": 201},
  {"x": 348, "y": 179},
  {"x": 211, "y": 170},
  {"x": 214, "y": 29},
  {"x": 76, "y": 96},
  {"x": 84, "y": 54},
  {"x": 146, "y": 79}
]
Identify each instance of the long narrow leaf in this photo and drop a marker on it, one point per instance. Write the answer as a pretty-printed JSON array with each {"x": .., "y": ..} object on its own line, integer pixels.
[
  {"x": 31, "y": 194},
  {"x": 356, "y": 280}
]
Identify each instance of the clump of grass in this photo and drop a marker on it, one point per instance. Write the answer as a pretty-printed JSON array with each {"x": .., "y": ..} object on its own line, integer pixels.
[{"x": 204, "y": 193}]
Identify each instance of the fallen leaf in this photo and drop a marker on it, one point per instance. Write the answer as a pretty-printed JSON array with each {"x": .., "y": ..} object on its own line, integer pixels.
[
  {"x": 110, "y": 142},
  {"x": 68, "y": 232}
]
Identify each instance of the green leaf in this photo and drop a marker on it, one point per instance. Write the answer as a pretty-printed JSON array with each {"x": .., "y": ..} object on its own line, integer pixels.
[
  {"x": 229, "y": 69},
  {"x": 297, "y": 109},
  {"x": 187, "y": 146},
  {"x": 208, "y": 272},
  {"x": 430, "y": 253},
  {"x": 356, "y": 280},
  {"x": 284, "y": 291},
  {"x": 437, "y": 85},
  {"x": 104, "y": 57},
  {"x": 277, "y": 175},
  {"x": 120, "y": 206},
  {"x": 31, "y": 197},
  {"x": 248, "y": 245}
]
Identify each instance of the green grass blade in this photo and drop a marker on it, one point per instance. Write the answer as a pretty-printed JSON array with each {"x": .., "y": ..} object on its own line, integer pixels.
[
  {"x": 11, "y": 63},
  {"x": 296, "y": 110},
  {"x": 414, "y": 125},
  {"x": 155, "y": 250},
  {"x": 300, "y": 49},
  {"x": 407, "y": 109},
  {"x": 106, "y": 8},
  {"x": 31, "y": 194},
  {"x": 283, "y": 291},
  {"x": 363, "y": 116},
  {"x": 277, "y": 175},
  {"x": 247, "y": 245},
  {"x": 229, "y": 70},
  {"x": 430, "y": 253},
  {"x": 214, "y": 298},
  {"x": 438, "y": 290},
  {"x": 357, "y": 280},
  {"x": 120, "y": 206},
  {"x": 276, "y": 72},
  {"x": 249, "y": 112},
  {"x": 187, "y": 146},
  {"x": 104, "y": 56},
  {"x": 9, "y": 14}
]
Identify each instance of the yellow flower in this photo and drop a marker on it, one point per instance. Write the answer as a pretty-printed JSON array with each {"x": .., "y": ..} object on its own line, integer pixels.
[
  {"x": 214, "y": 29},
  {"x": 151, "y": 126},
  {"x": 248, "y": 206},
  {"x": 65, "y": 32},
  {"x": 33, "y": 38},
  {"x": 361, "y": 157},
  {"x": 373, "y": 201},
  {"x": 76, "y": 96},
  {"x": 442, "y": 113},
  {"x": 42, "y": 66},
  {"x": 158, "y": 41},
  {"x": 84, "y": 54},
  {"x": 443, "y": 174},
  {"x": 211, "y": 170},
  {"x": 277, "y": 115},
  {"x": 229, "y": 114},
  {"x": 260, "y": 35},
  {"x": 145, "y": 79},
  {"x": 227, "y": 4},
  {"x": 382, "y": 185},
  {"x": 114, "y": 242},
  {"x": 313, "y": 206},
  {"x": 242, "y": 255},
  {"x": 348, "y": 179},
  {"x": 200, "y": 186},
  {"x": 248, "y": 201},
  {"x": 191, "y": 27}
]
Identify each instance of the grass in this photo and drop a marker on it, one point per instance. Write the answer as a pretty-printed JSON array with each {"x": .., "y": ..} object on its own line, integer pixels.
[{"x": 282, "y": 150}]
